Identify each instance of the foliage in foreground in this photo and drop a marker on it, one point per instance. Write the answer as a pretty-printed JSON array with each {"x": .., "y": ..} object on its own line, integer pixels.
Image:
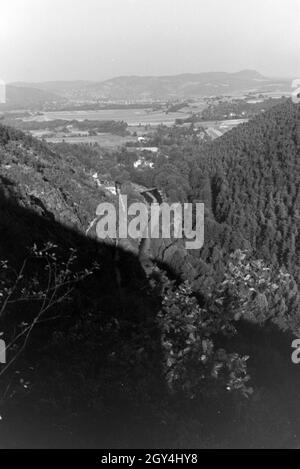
[{"x": 130, "y": 363}]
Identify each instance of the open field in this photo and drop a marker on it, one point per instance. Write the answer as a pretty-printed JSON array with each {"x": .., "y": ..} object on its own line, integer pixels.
[
  {"x": 214, "y": 129},
  {"x": 133, "y": 117}
]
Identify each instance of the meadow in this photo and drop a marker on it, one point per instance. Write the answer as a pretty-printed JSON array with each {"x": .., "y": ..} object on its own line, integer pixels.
[{"x": 133, "y": 117}]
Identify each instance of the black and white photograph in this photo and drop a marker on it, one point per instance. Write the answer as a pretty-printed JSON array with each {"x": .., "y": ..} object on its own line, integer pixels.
[{"x": 149, "y": 228}]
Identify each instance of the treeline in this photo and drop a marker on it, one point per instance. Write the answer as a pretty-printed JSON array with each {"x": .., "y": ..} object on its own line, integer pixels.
[
  {"x": 239, "y": 108},
  {"x": 105, "y": 126},
  {"x": 103, "y": 107}
]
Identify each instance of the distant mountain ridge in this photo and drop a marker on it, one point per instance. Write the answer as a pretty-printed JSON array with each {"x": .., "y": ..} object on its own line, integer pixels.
[
  {"x": 185, "y": 85},
  {"x": 25, "y": 97}
]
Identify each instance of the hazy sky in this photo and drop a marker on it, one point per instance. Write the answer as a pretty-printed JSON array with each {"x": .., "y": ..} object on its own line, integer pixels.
[{"x": 98, "y": 39}]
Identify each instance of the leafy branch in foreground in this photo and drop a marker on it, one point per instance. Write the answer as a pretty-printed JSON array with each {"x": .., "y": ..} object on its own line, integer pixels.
[
  {"x": 191, "y": 362},
  {"x": 259, "y": 293},
  {"x": 41, "y": 291}
]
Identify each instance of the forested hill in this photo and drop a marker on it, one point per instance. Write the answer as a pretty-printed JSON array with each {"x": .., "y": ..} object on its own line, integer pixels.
[
  {"x": 250, "y": 179},
  {"x": 163, "y": 87}
]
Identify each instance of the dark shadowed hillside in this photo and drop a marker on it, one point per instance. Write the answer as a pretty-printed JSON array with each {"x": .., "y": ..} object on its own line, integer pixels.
[{"x": 103, "y": 355}]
